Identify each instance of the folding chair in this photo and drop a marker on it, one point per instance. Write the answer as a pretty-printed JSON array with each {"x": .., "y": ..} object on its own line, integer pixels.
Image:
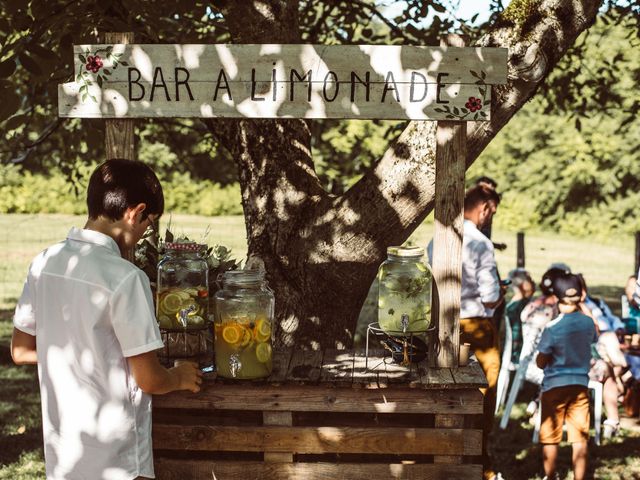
[
  {"x": 530, "y": 344},
  {"x": 506, "y": 366},
  {"x": 596, "y": 388}
]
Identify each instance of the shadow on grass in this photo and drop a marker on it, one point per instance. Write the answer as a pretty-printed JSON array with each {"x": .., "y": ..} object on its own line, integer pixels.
[{"x": 20, "y": 415}]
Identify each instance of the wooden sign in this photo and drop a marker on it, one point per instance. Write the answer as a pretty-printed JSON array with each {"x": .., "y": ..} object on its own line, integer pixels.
[{"x": 283, "y": 81}]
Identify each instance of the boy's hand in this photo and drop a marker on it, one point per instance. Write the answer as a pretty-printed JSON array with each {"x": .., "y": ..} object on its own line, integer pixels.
[{"x": 189, "y": 376}]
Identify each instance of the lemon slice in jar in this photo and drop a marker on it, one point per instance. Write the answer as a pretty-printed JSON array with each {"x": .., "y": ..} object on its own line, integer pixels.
[
  {"x": 262, "y": 330},
  {"x": 170, "y": 303},
  {"x": 231, "y": 334},
  {"x": 263, "y": 352},
  {"x": 247, "y": 336}
]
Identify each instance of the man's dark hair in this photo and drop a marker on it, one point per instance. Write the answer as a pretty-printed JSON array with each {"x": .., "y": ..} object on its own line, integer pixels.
[
  {"x": 119, "y": 184},
  {"x": 488, "y": 181},
  {"x": 480, "y": 194}
]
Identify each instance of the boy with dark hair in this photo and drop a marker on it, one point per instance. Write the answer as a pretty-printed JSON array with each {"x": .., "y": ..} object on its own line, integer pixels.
[
  {"x": 565, "y": 355},
  {"x": 86, "y": 318}
]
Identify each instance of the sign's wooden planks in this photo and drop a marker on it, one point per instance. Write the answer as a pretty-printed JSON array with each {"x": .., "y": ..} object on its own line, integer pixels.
[{"x": 283, "y": 81}]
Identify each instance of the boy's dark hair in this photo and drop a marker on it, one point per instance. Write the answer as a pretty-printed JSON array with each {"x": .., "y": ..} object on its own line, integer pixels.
[
  {"x": 480, "y": 194},
  {"x": 488, "y": 181},
  {"x": 119, "y": 184}
]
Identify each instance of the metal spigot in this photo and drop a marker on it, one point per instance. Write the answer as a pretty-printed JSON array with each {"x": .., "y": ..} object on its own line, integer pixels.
[
  {"x": 183, "y": 313},
  {"x": 404, "y": 322},
  {"x": 234, "y": 364}
]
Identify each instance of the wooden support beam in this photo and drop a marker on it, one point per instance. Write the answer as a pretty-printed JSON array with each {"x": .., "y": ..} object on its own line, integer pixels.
[
  {"x": 451, "y": 152},
  {"x": 119, "y": 134}
]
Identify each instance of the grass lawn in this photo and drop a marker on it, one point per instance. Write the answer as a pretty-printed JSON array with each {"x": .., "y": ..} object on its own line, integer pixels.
[{"x": 605, "y": 266}]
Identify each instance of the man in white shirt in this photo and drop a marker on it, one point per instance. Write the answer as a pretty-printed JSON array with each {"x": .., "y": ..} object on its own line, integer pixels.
[
  {"x": 481, "y": 294},
  {"x": 86, "y": 318}
]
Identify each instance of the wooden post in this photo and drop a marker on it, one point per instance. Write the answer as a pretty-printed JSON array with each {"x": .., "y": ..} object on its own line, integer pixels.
[
  {"x": 451, "y": 152},
  {"x": 520, "y": 250},
  {"x": 637, "y": 259},
  {"x": 119, "y": 134}
]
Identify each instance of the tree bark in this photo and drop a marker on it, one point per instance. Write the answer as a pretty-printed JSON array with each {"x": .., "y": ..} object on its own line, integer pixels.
[{"x": 320, "y": 251}]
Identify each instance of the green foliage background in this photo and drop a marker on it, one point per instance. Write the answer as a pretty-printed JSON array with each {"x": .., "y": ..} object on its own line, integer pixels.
[{"x": 567, "y": 162}]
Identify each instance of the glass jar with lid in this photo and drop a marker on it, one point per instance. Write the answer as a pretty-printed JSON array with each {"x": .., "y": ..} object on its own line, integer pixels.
[
  {"x": 243, "y": 324},
  {"x": 404, "y": 295},
  {"x": 182, "y": 304}
]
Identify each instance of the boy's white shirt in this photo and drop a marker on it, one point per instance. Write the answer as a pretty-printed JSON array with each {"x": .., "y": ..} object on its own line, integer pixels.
[{"x": 89, "y": 309}]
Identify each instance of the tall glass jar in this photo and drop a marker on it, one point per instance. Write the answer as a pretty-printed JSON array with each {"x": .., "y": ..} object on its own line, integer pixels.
[
  {"x": 404, "y": 295},
  {"x": 243, "y": 325},
  {"x": 182, "y": 304}
]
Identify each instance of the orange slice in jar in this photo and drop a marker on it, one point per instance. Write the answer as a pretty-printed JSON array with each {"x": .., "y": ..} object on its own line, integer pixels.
[{"x": 232, "y": 334}]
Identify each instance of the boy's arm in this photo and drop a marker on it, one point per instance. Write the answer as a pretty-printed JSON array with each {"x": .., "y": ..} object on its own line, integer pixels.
[
  {"x": 153, "y": 378},
  {"x": 23, "y": 348}
]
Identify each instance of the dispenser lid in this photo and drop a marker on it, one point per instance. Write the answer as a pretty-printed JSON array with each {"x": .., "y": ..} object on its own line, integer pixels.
[{"x": 400, "y": 251}]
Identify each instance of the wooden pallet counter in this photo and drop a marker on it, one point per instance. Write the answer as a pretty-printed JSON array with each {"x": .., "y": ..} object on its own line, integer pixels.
[{"x": 323, "y": 415}]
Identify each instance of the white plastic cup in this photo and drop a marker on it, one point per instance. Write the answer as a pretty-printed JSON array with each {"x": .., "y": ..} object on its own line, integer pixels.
[{"x": 464, "y": 354}]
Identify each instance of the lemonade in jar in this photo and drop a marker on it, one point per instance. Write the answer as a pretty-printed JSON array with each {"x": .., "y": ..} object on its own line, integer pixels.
[
  {"x": 182, "y": 305},
  {"x": 404, "y": 296},
  {"x": 243, "y": 325}
]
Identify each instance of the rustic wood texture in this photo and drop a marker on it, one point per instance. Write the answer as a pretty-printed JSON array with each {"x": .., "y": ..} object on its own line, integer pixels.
[
  {"x": 318, "y": 440},
  {"x": 337, "y": 368},
  {"x": 337, "y": 81},
  {"x": 447, "y": 238},
  {"x": 120, "y": 139},
  {"x": 171, "y": 469},
  {"x": 283, "y": 419},
  {"x": 448, "y": 421},
  {"x": 468, "y": 376},
  {"x": 451, "y": 152},
  {"x": 322, "y": 398},
  {"x": 305, "y": 366}
]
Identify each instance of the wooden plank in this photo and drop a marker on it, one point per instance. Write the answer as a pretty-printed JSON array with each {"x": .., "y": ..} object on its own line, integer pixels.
[
  {"x": 438, "y": 378},
  {"x": 451, "y": 152},
  {"x": 337, "y": 367},
  {"x": 283, "y": 419},
  {"x": 119, "y": 134},
  {"x": 322, "y": 398},
  {"x": 305, "y": 366},
  {"x": 448, "y": 421},
  {"x": 317, "y": 440},
  {"x": 173, "y": 469},
  {"x": 121, "y": 100},
  {"x": 366, "y": 369},
  {"x": 245, "y": 63},
  {"x": 470, "y": 376}
]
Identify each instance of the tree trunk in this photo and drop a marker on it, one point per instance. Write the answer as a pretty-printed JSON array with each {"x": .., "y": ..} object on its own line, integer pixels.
[{"x": 320, "y": 251}]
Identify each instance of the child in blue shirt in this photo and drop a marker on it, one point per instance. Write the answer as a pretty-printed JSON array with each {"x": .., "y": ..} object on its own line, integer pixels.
[{"x": 565, "y": 356}]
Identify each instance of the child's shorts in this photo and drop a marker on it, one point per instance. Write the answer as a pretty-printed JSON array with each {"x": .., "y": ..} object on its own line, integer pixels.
[{"x": 568, "y": 404}]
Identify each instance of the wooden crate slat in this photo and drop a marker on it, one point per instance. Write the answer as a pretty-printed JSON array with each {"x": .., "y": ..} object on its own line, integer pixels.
[
  {"x": 305, "y": 366},
  {"x": 172, "y": 469},
  {"x": 324, "y": 399},
  {"x": 317, "y": 440},
  {"x": 469, "y": 376},
  {"x": 337, "y": 367},
  {"x": 277, "y": 418}
]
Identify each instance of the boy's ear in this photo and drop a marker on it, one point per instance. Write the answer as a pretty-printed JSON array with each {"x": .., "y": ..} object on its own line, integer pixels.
[{"x": 134, "y": 214}]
